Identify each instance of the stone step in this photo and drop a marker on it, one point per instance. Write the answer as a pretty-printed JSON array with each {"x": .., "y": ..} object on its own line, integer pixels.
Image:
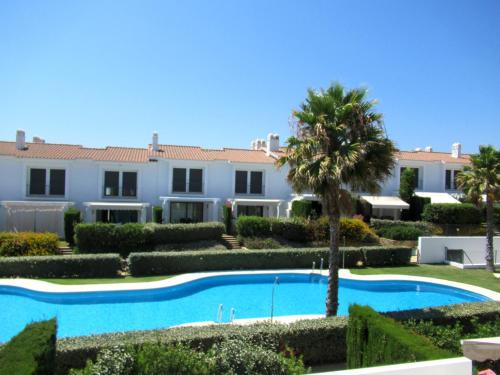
[{"x": 231, "y": 242}]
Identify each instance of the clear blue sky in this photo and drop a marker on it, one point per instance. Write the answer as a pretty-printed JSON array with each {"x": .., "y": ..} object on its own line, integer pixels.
[{"x": 221, "y": 73}]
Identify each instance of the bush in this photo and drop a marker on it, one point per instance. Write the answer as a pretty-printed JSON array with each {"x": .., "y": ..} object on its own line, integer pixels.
[
  {"x": 227, "y": 214},
  {"x": 353, "y": 230},
  {"x": 378, "y": 256},
  {"x": 156, "y": 234},
  {"x": 290, "y": 229},
  {"x": 452, "y": 213},
  {"x": 171, "y": 263},
  {"x": 317, "y": 340},
  {"x": 302, "y": 209},
  {"x": 28, "y": 244},
  {"x": 112, "y": 361},
  {"x": 236, "y": 356},
  {"x": 426, "y": 227},
  {"x": 401, "y": 233},
  {"x": 375, "y": 340},
  {"x": 102, "y": 238},
  {"x": 417, "y": 205},
  {"x": 32, "y": 351},
  {"x": 253, "y": 226},
  {"x": 101, "y": 265},
  {"x": 157, "y": 214},
  {"x": 72, "y": 217},
  {"x": 260, "y": 243}
]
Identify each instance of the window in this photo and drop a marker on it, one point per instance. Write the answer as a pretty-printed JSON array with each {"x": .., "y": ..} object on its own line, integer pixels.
[
  {"x": 186, "y": 212},
  {"x": 129, "y": 186},
  {"x": 418, "y": 183},
  {"x": 57, "y": 181},
  {"x": 120, "y": 184},
  {"x": 117, "y": 216},
  {"x": 250, "y": 210},
  {"x": 451, "y": 179},
  {"x": 38, "y": 182},
  {"x": 242, "y": 186},
  {"x": 111, "y": 184},
  {"x": 182, "y": 181}
]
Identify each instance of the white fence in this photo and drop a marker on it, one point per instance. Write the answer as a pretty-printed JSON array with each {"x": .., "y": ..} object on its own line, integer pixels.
[
  {"x": 452, "y": 366},
  {"x": 433, "y": 250}
]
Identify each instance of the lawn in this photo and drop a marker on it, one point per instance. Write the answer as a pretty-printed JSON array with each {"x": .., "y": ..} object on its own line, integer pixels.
[
  {"x": 476, "y": 277},
  {"x": 112, "y": 280}
]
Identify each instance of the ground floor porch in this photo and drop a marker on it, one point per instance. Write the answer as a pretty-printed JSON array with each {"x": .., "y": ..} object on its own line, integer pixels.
[{"x": 115, "y": 212}]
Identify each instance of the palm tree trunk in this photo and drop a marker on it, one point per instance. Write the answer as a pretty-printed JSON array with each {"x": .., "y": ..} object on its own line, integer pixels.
[
  {"x": 490, "y": 266},
  {"x": 332, "y": 299}
]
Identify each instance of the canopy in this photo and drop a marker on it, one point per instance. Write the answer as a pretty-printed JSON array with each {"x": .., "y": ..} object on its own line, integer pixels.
[
  {"x": 482, "y": 349},
  {"x": 116, "y": 205},
  {"x": 437, "y": 197},
  {"x": 385, "y": 202}
]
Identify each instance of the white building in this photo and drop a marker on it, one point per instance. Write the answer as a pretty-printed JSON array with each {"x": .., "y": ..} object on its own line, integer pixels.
[{"x": 39, "y": 181}]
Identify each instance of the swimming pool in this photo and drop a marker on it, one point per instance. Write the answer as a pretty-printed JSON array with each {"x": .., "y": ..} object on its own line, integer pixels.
[{"x": 198, "y": 300}]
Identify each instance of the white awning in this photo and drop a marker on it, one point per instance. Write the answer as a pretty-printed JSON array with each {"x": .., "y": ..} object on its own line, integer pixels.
[
  {"x": 256, "y": 201},
  {"x": 189, "y": 199},
  {"x": 385, "y": 202},
  {"x": 306, "y": 197},
  {"x": 116, "y": 205},
  {"x": 36, "y": 204},
  {"x": 437, "y": 197}
]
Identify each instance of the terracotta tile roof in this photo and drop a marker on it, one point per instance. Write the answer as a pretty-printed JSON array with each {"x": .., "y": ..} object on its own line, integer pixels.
[
  {"x": 432, "y": 156},
  {"x": 132, "y": 155}
]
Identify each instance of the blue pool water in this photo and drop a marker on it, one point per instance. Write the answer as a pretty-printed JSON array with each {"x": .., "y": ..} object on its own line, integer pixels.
[{"x": 88, "y": 313}]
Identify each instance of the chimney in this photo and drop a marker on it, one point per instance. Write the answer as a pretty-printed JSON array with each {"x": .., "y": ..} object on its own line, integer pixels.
[
  {"x": 155, "y": 142},
  {"x": 273, "y": 143},
  {"x": 418, "y": 149},
  {"x": 38, "y": 140},
  {"x": 20, "y": 139},
  {"x": 428, "y": 149},
  {"x": 456, "y": 150}
]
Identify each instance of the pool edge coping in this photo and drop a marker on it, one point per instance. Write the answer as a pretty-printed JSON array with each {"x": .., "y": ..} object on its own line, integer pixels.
[{"x": 48, "y": 287}]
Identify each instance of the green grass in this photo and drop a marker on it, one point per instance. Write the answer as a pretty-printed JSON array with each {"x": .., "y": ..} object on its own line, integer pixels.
[
  {"x": 476, "y": 277},
  {"x": 113, "y": 280}
]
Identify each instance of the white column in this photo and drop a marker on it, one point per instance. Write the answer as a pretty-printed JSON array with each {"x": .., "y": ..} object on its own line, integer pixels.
[
  {"x": 234, "y": 208},
  {"x": 143, "y": 214},
  {"x": 278, "y": 209},
  {"x": 166, "y": 210},
  {"x": 215, "y": 210}
]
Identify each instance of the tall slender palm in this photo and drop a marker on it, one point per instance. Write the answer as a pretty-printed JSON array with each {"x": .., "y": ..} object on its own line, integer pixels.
[
  {"x": 339, "y": 142},
  {"x": 483, "y": 177}
]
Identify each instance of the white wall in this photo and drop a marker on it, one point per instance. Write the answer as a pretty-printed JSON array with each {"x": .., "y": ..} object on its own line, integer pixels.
[
  {"x": 452, "y": 366},
  {"x": 432, "y": 249}
]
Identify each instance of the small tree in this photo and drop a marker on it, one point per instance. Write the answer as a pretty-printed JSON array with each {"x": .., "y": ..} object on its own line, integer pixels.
[
  {"x": 407, "y": 184},
  {"x": 72, "y": 216},
  {"x": 157, "y": 214},
  {"x": 483, "y": 177}
]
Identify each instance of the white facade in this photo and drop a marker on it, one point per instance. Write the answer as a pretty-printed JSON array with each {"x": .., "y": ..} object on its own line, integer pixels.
[{"x": 85, "y": 169}]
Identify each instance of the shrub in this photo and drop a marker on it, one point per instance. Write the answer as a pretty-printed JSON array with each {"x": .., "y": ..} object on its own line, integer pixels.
[
  {"x": 32, "y": 351},
  {"x": 227, "y": 214},
  {"x": 156, "y": 234},
  {"x": 102, "y": 238},
  {"x": 236, "y": 356},
  {"x": 426, "y": 227},
  {"x": 101, "y": 265},
  {"x": 171, "y": 263},
  {"x": 301, "y": 209},
  {"x": 414, "y": 212},
  {"x": 378, "y": 256},
  {"x": 253, "y": 226},
  {"x": 407, "y": 184},
  {"x": 112, "y": 361},
  {"x": 72, "y": 217},
  {"x": 401, "y": 233},
  {"x": 28, "y": 243},
  {"x": 353, "y": 230},
  {"x": 290, "y": 229},
  {"x": 157, "y": 214},
  {"x": 375, "y": 340},
  {"x": 260, "y": 243},
  {"x": 452, "y": 213}
]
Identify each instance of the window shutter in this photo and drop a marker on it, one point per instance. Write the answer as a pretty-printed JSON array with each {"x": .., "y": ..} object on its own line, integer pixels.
[
  {"x": 57, "y": 181},
  {"x": 195, "y": 180},
  {"x": 111, "y": 183},
  {"x": 179, "y": 180},
  {"x": 241, "y": 182},
  {"x": 129, "y": 184},
  {"x": 255, "y": 182},
  {"x": 37, "y": 181}
]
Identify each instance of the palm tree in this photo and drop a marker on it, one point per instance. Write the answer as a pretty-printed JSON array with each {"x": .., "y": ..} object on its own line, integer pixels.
[
  {"x": 483, "y": 177},
  {"x": 339, "y": 143}
]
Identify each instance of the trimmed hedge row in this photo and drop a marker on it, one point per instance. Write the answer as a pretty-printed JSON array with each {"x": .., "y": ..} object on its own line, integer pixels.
[
  {"x": 318, "y": 340},
  {"x": 72, "y": 217},
  {"x": 160, "y": 263},
  {"x": 401, "y": 233},
  {"x": 28, "y": 243},
  {"x": 452, "y": 213},
  {"x": 101, "y": 265},
  {"x": 127, "y": 238},
  {"x": 32, "y": 351},
  {"x": 376, "y": 340},
  {"x": 426, "y": 227}
]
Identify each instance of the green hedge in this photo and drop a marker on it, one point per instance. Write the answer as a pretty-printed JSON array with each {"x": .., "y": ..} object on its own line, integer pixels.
[
  {"x": 32, "y": 351},
  {"x": 452, "y": 213},
  {"x": 424, "y": 226},
  {"x": 156, "y": 234},
  {"x": 161, "y": 263},
  {"x": 72, "y": 217},
  {"x": 157, "y": 214},
  {"x": 28, "y": 243},
  {"x": 401, "y": 233},
  {"x": 376, "y": 340},
  {"x": 127, "y": 238},
  {"x": 253, "y": 226},
  {"x": 301, "y": 208},
  {"x": 318, "y": 340},
  {"x": 99, "y": 265}
]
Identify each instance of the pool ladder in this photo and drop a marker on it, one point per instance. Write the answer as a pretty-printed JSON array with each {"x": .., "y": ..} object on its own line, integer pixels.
[
  {"x": 313, "y": 269},
  {"x": 220, "y": 310}
]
